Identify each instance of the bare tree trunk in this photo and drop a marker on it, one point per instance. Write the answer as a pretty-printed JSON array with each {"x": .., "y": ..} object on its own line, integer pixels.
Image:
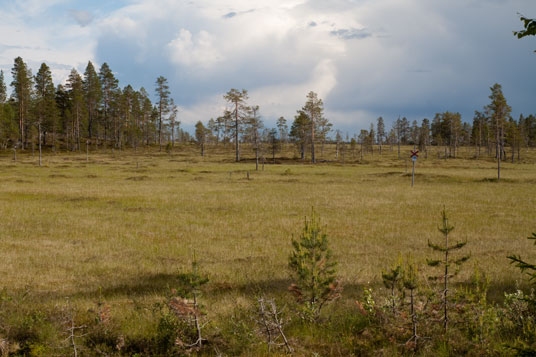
[
  {"x": 237, "y": 146},
  {"x": 497, "y": 153},
  {"x": 40, "y": 152}
]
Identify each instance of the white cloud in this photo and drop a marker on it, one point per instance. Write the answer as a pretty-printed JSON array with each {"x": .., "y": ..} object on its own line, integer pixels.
[
  {"x": 365, "y": 58},
  {"x": 194, "y": 52}
]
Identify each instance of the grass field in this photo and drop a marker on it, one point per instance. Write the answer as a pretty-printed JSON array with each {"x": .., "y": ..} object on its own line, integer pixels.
[{"x": 120, "y": 226}]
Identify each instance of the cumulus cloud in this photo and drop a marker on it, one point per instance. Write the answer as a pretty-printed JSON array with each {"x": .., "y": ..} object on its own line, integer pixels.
[
  {"x": 198, "y": 51},
  {"x": 364, "y": 58}
]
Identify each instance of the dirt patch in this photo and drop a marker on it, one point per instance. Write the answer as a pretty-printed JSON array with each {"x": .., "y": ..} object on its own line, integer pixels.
[{"x": 137, "y": 178}]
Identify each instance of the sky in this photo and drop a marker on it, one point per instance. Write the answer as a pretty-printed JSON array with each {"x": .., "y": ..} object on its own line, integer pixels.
[{"x": 365, "y": 58}]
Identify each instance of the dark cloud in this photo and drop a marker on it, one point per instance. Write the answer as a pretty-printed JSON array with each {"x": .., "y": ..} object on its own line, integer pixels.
[
  {"x": 312, "y": 24},
  {"x": 351, "y": 34}
]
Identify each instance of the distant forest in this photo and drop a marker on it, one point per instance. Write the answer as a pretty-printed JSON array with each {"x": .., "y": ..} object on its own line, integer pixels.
[{"x": 92, "y": 109}]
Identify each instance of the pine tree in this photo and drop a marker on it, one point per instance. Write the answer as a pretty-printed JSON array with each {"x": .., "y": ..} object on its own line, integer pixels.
[
  {"x": 392, "y": 280},
  {"x": 446, "y": 249},
  {"x": 201, "y": 136},
  {"x": 253, "y": 126},
  {"x": 22, "y": 90},
  {"x": 380, "y": 132},
  {"x": 283, "y": 129},
  {"x": 410, "y": 282},
  {"x": 314, "y": 109},
  {"x": 76, "y": 96},
  {"x": 529, "y": 28},
  {"x": 313, "y": 267},
  {"x": 162, "y": 92},
  {"x": 499, "y": 111},
  {"x": 45, "y": 103},
  {"x": 238, "y": 100},
  {"x": 3, "y": 89},
  {"x": 523, "y": 265},
  {"x": 299, "y": 131}
]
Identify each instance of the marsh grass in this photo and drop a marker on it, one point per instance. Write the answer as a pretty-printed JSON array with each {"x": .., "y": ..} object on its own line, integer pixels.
[{"x": 119, "y": 228}]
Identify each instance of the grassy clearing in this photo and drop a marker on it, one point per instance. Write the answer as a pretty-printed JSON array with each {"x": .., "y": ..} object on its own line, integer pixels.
[{"x": 118, "y": 228}]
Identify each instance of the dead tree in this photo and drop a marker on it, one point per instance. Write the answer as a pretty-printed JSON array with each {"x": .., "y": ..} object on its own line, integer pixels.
[{"x": 271, "y": 324}]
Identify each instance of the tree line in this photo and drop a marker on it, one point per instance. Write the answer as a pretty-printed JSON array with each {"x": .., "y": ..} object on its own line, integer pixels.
[{"x": 91, "y": 108}]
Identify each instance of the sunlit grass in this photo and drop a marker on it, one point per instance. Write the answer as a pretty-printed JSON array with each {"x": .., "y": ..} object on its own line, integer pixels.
[{"x": 119, "y": 227}]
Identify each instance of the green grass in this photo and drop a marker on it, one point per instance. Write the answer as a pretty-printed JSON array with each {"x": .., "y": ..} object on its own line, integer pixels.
[{"x": 118, "y": 228}]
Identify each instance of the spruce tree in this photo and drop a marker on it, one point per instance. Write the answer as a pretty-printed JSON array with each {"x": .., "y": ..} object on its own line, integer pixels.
[
  {"x": 109, "y": 86},
  {"x": 93, "y": 96}
]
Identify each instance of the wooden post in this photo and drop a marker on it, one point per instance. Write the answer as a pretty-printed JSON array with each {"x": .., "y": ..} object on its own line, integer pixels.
[
  {"x": 87, "y": 150},
  {"x": 413, "y": 172}
]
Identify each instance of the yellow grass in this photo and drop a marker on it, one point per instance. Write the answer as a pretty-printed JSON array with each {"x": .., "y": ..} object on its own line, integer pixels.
[{"x": 120, "y": 227}]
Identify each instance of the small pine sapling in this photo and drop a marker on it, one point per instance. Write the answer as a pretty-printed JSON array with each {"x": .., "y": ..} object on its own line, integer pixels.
[
  {"x": 187, "y": 306},
  {"x": 313, "y": 267},
  {"x": 523, "y": 265},
  {"x": 392, "y": 280},
  {"x": 446, "y": 249},
  {"x": 411, "y": 282}
]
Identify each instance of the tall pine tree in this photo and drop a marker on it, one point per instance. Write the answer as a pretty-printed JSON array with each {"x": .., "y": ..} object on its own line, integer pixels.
[{"x": 22, "y": 89}]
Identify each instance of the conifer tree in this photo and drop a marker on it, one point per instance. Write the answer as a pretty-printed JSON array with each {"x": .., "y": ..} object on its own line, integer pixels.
[
  {"x": 380, "y": 132},
  {"x": 201, "y": 136},
  {"x": 313, "y": 267},
  {"x": 499, "y": 111},
  {"x": 3, "y": 89},
  {"x": 314, "y": 109},
  {"x": 22, "y": 90},
  {"x": 299, "y": 131},
  {"x": 162, "y": 93},
  {"x": 76, "y": 96},
  {"x": 93, "y": 95},
  {"x": 392, "y": 280},
  {"x": 254, "y": 125},
  {"x": 45, "y": 103},
  {"x": 410, "y": 281},
  {"x": 529, "y": 26},
  {"x": 283, "y": 129},
  {"x": 238, "y": 100},
  {"x": 109, "y": 86},
  {"x": 522, "y": 264},
  {"x": 446, "y": 249}
]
